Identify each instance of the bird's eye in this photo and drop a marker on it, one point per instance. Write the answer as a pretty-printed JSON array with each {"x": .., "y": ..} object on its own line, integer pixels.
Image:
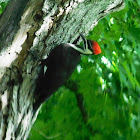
[{"x": 90, "y": 45}]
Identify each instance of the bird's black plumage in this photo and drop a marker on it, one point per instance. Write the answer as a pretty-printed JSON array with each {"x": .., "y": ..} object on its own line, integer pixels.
[{"x": 60, "y": 64}]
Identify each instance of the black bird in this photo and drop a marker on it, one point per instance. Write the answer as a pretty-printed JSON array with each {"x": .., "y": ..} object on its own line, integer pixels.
[{"x": 60, "y": 64}]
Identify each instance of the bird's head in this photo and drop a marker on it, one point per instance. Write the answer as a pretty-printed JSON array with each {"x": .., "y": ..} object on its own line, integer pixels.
[
  {"x": 93, "y": 46},
  {"x": 89, "y": 46}
]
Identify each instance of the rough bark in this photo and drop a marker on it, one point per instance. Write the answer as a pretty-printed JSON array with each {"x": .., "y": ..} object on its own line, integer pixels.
[{"x": 38, "y": 25}]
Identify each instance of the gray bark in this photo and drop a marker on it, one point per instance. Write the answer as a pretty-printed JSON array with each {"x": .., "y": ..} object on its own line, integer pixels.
[{"x": 38, "y": 25}]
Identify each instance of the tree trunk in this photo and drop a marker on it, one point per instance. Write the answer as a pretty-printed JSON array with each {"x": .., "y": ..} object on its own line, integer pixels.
[{"x": 38, "y": 25}]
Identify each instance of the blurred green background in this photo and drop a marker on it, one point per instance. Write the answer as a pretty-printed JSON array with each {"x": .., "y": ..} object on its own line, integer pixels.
[{"x": 101, "y": 100}]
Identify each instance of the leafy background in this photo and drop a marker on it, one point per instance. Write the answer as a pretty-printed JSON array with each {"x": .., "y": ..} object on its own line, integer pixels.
[{"x": 101, "y": 100}]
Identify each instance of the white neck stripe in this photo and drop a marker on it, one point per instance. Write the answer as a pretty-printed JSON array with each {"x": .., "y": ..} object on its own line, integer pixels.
[{"x": 84, "y": 51}]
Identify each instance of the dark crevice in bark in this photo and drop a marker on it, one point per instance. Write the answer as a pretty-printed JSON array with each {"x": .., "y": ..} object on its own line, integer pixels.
[
  {"x": 117, "y": 6},
  {"x": 6, "y": 116},
  {"x": 10, "y": 17}
]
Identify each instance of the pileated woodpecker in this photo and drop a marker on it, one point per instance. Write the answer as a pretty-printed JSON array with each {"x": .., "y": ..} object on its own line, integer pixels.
[{"x": 60, "y": 64}]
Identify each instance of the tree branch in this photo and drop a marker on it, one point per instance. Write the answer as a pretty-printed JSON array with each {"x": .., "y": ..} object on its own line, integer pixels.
[{"x": 80, "y": 103}]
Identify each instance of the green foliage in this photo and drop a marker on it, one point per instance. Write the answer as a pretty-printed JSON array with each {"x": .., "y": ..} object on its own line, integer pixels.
[
  {"x": 100, "y": 101},
  {"x": 3, "y": 4}
]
